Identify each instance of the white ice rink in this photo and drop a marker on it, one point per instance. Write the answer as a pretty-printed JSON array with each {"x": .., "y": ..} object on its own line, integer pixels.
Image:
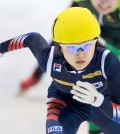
[{"x": 26, "y": 114}]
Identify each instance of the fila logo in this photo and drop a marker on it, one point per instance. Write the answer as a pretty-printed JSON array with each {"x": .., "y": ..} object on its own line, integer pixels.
[
  {"x": 57, "y": 67},
  {"x": 55, "y": 128},
  {"x": 97, "y": 84}
]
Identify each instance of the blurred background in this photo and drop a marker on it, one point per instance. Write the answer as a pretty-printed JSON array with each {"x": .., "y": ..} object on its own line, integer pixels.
[{"x": 25, "y": 114}]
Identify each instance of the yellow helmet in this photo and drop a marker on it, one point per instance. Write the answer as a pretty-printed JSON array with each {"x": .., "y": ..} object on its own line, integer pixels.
[{"x": 75, "y": 24}]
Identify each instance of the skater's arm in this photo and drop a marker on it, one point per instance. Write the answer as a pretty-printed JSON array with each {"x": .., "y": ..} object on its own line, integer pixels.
[
  {"x": 111, "y": 104},
  {"x": 32, "y": 40},
  {"x": 36, "y": 43}
]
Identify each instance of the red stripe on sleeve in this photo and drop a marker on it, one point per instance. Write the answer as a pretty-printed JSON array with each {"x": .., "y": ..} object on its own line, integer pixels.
[
  {"x": 52, "y": 105},
  {"x": 53, "y": 110},
  {"x": 57, "y": 101},
  {"x": 52, "y": 117},
  {"x": 10, "y": 45},
  {"x": 14, "y": 44}
]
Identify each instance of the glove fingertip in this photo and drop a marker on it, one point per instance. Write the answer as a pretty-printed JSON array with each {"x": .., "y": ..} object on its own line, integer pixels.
[
  {"x": 74, "y": 97},
  {"x": 75, "y": 87},
  {"x": 71, "y": 91},
  {"x": 78, "y": 83}
]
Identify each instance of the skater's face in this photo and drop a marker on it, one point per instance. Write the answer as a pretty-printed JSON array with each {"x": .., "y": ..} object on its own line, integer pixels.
[
  {"x": 104, "y": 6},
  {"x": 79, "y": 54}
]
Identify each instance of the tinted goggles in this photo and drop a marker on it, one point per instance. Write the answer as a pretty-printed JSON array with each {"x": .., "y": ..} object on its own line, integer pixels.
[{"x": 76, "y": 48}]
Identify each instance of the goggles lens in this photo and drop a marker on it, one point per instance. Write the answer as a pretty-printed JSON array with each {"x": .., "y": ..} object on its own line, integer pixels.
[{"x": 76, "y": 48}]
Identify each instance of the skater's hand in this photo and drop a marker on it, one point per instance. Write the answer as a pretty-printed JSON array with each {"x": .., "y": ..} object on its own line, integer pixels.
[{"x": 86, "y": 93}]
